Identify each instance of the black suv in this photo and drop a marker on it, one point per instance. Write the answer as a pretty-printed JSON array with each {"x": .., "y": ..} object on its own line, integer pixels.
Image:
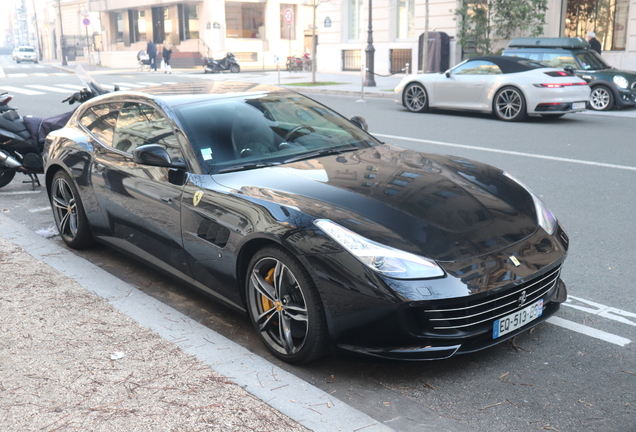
[{"x": 610, "y": 87}]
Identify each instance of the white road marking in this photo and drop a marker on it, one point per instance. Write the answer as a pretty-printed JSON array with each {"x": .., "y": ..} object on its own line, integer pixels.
[
  {"x": 129, "y": 85},
  {"x": 17, "y": 75},
  {"x": 40, "y": 210},
  {"x": 589, "y": 331},
  {"x": 169, "y": 82},
  {"x": 601, "y": 310},
  {"x": 2, "y": 73},
  {"x": 20, "y": 193},
  {"x": 20, "y": 90},
  {"x": 60, "y": 74},
  {"x": 48, "y": 88},
  {"x": 70, "y": 86},
  {"x": 40, "y": 74},
  {"x": 149, "y": 83},
  {"x": 514, "y": 153}
]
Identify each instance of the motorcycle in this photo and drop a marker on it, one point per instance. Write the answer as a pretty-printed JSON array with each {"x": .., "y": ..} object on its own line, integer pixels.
[
  {"x": 228, "y": 63},
  {"x": 22, "y": 138}
]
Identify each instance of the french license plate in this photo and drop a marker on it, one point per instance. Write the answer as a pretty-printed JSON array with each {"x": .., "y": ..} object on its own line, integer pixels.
[
  {"x": 517, "y": 319},
  {"x": 578, "y": 105}
]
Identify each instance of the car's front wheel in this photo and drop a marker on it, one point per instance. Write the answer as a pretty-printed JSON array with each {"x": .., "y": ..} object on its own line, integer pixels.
[
  {"x": 285, "y": 307},
  {"x": 601, "y": 98},
  {"x": 235, "y": 68},
  {"x": 510, "y": 105},
  {"x": 68, "y": 212},
  {"x": 415, "y": 98}
]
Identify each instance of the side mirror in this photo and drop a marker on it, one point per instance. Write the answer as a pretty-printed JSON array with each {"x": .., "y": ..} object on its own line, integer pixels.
[
  {"x": 568, "y": 69},
  {"x": 447, "y": 73},
  {"x": 155, "y": 155},
  {"x": 360, "y": 122}
]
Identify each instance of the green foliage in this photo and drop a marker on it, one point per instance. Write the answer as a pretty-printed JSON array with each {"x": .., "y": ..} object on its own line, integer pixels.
[{"x": 480, "y": 20}]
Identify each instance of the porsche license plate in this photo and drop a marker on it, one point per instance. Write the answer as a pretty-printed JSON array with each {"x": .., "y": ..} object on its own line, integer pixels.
[
  {"x": 517, "y": 319},
  {"x": 578, "y": 105}
]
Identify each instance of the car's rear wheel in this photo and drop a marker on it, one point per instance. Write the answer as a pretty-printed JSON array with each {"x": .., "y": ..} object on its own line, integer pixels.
[
  {"x": 285, "y": 307},
  {"x": 415, "y": 98},
  {"x": 68, "y": 212},
  {"x": 601, "y": 99},
  {"x": 6, "y": 175},
  {"x": 510, "y": 105}
]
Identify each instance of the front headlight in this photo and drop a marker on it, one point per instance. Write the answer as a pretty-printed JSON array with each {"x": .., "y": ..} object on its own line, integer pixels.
[
  {"x": 545, "y": 218},
  {"x": 383, "y": 259},
  {"x": 621, "y": 81}
]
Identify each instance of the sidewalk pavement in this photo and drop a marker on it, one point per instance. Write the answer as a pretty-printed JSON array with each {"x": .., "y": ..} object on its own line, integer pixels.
[{"x": 83, "y": 350}]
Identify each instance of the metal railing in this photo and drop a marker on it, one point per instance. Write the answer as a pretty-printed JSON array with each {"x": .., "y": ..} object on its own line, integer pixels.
[
  {"x": 351, "y": 60},
  {"x": 398, "y": 59}
]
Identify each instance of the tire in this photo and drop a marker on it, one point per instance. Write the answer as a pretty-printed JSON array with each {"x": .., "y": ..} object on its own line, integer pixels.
[
  {"x": 282, "y": 298},
  {"x": 510, "y": 105},
  {"x": 601, "y": 98},
  {"x": 235, "y": 68},
  {"x": 6, "y": 175},
  {"x": 68, "y": 212},
  {"x": 415, "y": 98}
]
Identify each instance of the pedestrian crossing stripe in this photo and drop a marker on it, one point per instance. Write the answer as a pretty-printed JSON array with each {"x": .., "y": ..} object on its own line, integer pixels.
[
  {"x": 16, "y": 75},
  {"x": 21, "y": 90},
  {"x": 48, "y": 88},
  {"x": 38, "y": 89},
  {"x": 129, "y": 85}
]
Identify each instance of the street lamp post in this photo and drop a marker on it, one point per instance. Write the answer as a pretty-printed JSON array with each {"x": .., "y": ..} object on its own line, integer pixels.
[
  {"x": 370, "y": 81},
  {"x": 59, "y": 10}
]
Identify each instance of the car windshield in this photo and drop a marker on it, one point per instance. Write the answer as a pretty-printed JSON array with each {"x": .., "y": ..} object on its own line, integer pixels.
[
  {"x": 27, "y": 49},
  {"x": 590, "y": 60},
  {"x": 266, "y": 129}
]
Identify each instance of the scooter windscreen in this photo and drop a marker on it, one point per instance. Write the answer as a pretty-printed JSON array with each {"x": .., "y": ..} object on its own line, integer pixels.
[{"x": 89, "y": 82}]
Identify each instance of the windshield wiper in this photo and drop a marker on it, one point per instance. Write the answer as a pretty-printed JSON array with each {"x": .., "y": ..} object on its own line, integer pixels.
[
  {"x": 246, "y": 167},
  {"x": 323, "y": 152}
]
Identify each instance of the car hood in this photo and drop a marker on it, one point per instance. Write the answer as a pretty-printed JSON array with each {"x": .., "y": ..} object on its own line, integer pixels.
[{"x": 441, "y": 207}]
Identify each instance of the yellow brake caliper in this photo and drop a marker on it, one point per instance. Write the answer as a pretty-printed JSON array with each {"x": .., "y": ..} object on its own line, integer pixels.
[{"x": 265, "y": 302}]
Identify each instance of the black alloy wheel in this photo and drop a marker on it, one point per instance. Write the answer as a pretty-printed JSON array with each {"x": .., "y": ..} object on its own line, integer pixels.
[
  {"x": 235, "y": 68},
  {"x": 601, "y": 98},
  {"x": 510, "y": 105},
  {"x": 415, "y": 98},
  {"x": 6, "y": 175},
  {"x": 285, "y": 307},
  {"x": 68, "y": 212}
]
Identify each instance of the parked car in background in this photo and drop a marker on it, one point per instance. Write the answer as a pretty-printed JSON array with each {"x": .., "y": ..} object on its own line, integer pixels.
[
  {"x": 25, "y": 53},
  {"x": 611, "y": 87},
  {"x": 509, "y": 87}
]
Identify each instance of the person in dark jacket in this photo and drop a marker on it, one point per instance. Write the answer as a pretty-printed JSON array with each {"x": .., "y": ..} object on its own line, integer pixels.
[
  {"x": 151, "y": 49},
  {"x": 594, "y": 43},
  {"x": 167, "y": 53}
]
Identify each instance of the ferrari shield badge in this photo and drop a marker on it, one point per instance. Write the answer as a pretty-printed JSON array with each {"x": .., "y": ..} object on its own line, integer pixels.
[
  {"x": 197, "y": 198},
  {"x": 513, "y": 258}
]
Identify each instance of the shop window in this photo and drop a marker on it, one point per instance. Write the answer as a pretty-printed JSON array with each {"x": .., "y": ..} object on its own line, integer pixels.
[
  {"x": 190, "y": 21},
  {"x": 287, "y": 31},
  {"x": 607, "y": 18},
  {"x": 355, "y": 20},
  {"x": 244, "y": 20},
  {"x": 119, "y": 22}
]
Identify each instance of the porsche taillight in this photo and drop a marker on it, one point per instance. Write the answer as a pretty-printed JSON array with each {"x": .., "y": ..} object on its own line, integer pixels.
[{"x": 559, "y": 85}]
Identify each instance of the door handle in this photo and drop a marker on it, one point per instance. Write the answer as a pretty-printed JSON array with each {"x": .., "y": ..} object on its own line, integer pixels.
[{"x": 100, "y": 168}]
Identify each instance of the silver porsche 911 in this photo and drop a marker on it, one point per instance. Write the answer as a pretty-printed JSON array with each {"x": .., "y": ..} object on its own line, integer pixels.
[{"x": 511, "y": 88}]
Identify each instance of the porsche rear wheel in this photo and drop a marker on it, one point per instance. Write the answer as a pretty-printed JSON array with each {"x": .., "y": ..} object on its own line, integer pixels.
[
  {"x": 510, "y": 105},
  {"x": 68, "y": 212},
  {"x": 601, "y": 99},
  {"x": 415, "y": 98},
  {"x": 285, "y": 307}
]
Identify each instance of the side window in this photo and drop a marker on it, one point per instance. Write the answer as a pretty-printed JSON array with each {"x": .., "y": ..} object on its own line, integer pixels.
[
  {"x": 478, "y": 67},
  {"x": 140, "y": 124},
  {"x": 558, "y": 60},
  {"x": 100, "y": 121}
]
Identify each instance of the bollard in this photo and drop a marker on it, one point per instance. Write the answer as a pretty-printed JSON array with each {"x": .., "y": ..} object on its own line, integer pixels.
[
  {"x": 407, "y": 68},
  {"x": 362, "y": 71}
]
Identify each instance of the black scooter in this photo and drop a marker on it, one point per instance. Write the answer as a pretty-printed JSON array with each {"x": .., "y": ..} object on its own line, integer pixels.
[
  {"x": 22, "y": 138},
  {"x": 228, "y": 63}
]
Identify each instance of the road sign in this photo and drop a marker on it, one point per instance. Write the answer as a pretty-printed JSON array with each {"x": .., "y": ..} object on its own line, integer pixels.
[
  {"x": 86, "y": 22},
  {"x": 289, "y": 15}
]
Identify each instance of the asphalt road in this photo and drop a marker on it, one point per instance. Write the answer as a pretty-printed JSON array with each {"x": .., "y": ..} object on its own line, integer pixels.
[{"x": 573, "y": 374}]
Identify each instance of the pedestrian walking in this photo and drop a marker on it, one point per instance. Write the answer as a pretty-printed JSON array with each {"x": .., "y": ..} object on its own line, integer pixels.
[
  {"x": 151, "y": 50},
  {"x": 167, "y": 53},
  {"x": 594, "y": 43}
]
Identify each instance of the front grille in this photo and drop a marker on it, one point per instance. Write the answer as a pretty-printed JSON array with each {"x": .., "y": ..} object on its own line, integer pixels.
[{"x": 463, "y": 317}]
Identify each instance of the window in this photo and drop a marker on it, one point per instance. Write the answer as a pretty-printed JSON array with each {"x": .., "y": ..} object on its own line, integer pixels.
[
  {"x": 100, "y": 121},
  {"x": 287, "y": 32},
  {"x": 137, "y": 21},
  {"x": 190, "y": 21},
  {"x": 607, "y": 18},
  {"x": 405, "y": 19},
  {"x": 355, "y": 20},
  {"x": 120, "y": 27},
  {"x": 243, "y": 20},
  {"x": 139, "y": 124},
  {"x": 478, "y": 67},
  {"x": 559, "y": 61},
  {"x": 591, "y": 60}
]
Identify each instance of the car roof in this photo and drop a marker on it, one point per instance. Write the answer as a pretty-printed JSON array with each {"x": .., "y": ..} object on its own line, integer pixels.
[
  {"x": 511, "y": 64},
  {"x": 564, "y": 43},
  {"x": 184, "y": 93}
]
